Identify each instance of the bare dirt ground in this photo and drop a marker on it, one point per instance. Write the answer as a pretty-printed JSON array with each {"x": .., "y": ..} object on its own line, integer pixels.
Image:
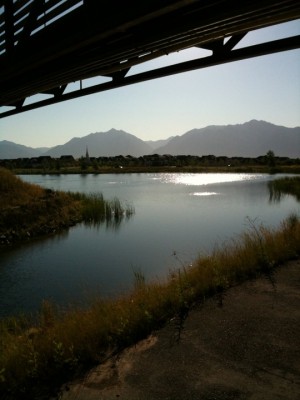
[{"x": 248, "y": 348}]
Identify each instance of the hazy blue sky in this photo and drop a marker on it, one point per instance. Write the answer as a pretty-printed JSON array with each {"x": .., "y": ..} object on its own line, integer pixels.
[{"x": 264, "y": 88}]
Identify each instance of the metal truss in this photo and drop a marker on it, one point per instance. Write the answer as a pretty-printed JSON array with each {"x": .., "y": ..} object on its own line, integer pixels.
[{"x": 47, "y": 44}]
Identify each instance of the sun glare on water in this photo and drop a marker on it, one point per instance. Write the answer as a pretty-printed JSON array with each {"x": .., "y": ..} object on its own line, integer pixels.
[
  {"x": 206, "y": 179},
  {"x": 204, "y": 193}
]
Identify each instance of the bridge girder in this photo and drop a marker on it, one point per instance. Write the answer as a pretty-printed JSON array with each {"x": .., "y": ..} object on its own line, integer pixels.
[{"x": 45, "y": 45}]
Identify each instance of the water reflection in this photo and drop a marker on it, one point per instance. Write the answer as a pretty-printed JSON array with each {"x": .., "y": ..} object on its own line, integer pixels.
[
  {"x": 193, "y": 179},
  {"x": 204, "y": 194},
  {"x": 181, "y": 214},
  {"x": 111, "y": 222},
  {"x": 276, "y": 194}
]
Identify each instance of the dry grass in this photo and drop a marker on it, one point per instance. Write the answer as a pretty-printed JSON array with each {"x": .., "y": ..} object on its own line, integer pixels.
[
  {"x": 15, "y": 192},
  {"x": 28, "y": 210}
]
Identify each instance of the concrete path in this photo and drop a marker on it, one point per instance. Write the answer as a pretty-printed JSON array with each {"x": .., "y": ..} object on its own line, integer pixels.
[{"x": 246, "y": 349}]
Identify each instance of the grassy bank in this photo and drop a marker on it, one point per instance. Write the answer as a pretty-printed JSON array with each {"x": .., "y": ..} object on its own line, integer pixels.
[
  {"x": 38, "y": 354},
  {"x": 28, "y": 210}
]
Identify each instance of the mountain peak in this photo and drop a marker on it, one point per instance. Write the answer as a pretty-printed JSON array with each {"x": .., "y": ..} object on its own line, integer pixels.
[
  {"x": 103, "y": 144},
  {"x": 257, "y": 122},
  {"x": 112, "y": 130}
]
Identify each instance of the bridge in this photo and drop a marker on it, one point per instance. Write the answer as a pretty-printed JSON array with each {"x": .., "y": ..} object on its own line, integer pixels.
[{"x": 45, "y": 45}]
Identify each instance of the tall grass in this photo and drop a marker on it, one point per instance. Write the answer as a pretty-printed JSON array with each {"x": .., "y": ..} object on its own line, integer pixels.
[
  {"x": 13, "y": 191},
  {"x": 95, "y": 209},
  {"x": 280, "y": 187},
  {"x": 36, "y": 355}
]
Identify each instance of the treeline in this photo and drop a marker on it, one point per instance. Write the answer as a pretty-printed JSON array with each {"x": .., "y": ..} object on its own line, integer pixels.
[{"x": 48, "y": 163}]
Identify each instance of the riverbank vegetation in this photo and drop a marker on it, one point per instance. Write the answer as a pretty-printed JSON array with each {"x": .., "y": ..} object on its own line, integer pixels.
[
  {"x": 284, "y": 186},
  {"x": 269, "y": 163},
  {"x": 39, "y": 353},
  {"x": 29, "y": 211}
]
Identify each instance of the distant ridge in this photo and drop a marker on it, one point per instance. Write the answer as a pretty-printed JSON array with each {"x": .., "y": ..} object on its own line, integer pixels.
[
  {"x": 156, "y": 144},
  {"x": 11, "y": 150},
  {"x": 251, "y": 139},
  {"x": 111, "y": 143}
]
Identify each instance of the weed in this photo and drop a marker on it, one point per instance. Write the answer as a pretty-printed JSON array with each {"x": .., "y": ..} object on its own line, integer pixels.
[
  {"x": 256, "y": 240},
  {"x": 283, "y": 186},
  {"x": 139, "y": 279}
]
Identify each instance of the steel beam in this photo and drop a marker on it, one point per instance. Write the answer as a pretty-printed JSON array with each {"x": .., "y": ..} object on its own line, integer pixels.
[
  {"x": 46, "y": 45},
  {"x": 217, "y": 58}
]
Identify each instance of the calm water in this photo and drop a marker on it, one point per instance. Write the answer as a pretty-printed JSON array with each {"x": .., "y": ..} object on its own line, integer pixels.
[{"x": 177, "y": 217}]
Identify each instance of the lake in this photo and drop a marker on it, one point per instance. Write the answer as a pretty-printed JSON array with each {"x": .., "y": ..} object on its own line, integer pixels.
[{"x": 178, "y": 216}]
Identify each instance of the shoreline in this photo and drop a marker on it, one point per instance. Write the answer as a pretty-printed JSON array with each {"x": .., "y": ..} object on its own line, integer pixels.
[{"x": 293, "y": 169}]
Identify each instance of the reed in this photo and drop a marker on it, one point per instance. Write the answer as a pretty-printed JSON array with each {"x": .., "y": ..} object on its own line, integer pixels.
[
  {"x": 283, "y": 186},
  {"x": 95, "y": 209},
  {"x": 40, "y": 353}
]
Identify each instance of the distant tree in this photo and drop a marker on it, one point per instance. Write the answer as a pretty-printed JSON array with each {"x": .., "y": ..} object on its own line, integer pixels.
[
  {"x": 83, "y": 163},
  {"x": 95, "y": 165},
  {"x": 57, "y": 165},
  {"x": 270, "y": 158}
]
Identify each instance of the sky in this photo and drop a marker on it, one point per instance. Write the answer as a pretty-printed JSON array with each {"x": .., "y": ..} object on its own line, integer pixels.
[{"x": 263, "y": 88}]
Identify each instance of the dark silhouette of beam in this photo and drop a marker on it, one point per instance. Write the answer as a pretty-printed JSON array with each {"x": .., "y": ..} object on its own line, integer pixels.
[
  {"x": 217, "y": 58},
  {"x": 45, "y": 46}
]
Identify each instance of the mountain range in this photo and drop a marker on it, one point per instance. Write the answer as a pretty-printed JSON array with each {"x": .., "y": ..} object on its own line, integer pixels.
[
  {"x": 251, "y": 139},
  {"x": 11, "y": 150}
]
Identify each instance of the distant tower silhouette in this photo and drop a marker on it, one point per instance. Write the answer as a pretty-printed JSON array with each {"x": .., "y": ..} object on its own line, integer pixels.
[{"x": 87, "y": 157}]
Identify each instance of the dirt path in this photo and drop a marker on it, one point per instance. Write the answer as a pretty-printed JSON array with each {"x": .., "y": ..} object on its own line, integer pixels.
[{"x": 246, "y": 349}]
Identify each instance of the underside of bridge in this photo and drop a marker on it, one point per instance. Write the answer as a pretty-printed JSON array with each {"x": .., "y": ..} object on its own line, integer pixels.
[{"x": 47, "y": 44}]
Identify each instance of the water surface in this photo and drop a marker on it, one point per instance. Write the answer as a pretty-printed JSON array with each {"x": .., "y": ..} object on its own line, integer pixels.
[{"x": 177, "y": 217}]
